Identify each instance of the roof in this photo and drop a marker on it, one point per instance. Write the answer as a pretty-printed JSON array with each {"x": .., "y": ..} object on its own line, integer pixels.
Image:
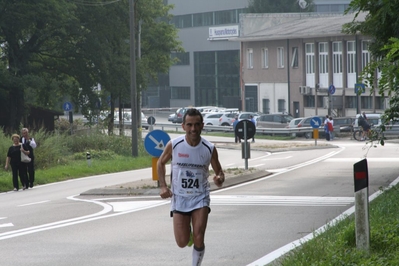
[{"x": 262, "y": 27}]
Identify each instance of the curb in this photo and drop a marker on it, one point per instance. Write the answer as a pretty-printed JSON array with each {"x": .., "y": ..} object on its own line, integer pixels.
[{"x": 128, "y": 191}]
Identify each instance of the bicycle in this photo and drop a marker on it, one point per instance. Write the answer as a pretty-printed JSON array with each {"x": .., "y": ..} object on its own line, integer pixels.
[{"x": 371, "y": 134}]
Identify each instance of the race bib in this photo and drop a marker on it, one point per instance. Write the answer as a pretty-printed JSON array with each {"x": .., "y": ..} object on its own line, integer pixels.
[{"x": 190, "y": 182}]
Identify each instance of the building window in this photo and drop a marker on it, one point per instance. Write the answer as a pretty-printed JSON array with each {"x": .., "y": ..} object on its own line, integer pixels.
[
  {"x": 294, "y": 62},
  {"x": 203, "y": 19},
  {"x": 266, "y": 106},
  {"x": 350, "y": 101},
  {"x": 337, "y": 57},
  {"x": 308, "y": 101},
  {"x": 309, "y": 58},
  {"x": 265, "y": 58},
  {"x": 351, "y": 50},
  {"x": 280, "y": 57},
  {"x": 281, "y": 105},
  {"x": 250, "y": 58},
  {"x": 366, "y": 102},
  {"x": 365, "y": 54},
  {"x": 180, "y": 93},
  {"x": 183, "y": 21},
  {"x": 225, "y": 17},
  {"x": 182, "y": 58},
  {"x": 323, "y": 57}
]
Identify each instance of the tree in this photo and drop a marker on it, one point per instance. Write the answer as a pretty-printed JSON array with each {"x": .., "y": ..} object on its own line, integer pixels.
[
  {"x": 382, "y": 24},
  {"x": 281, "y": 6}
]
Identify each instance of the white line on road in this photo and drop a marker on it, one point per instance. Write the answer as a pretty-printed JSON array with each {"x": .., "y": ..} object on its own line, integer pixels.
[
  {"x": 281, "y": 158},
  {"x": 280, "y": 200},
  {"x": 352, "y": 160},
  {"x": 6, "y": 225},
  {"x": 33, "y": 203}
]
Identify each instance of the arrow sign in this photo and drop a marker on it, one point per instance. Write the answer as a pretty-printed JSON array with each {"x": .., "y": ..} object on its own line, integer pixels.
[
  {"x": 155, "y": 141},
  {"x": 315, "y": 122}
]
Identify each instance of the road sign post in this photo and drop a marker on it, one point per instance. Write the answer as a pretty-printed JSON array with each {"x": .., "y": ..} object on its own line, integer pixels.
[
  {"x": 245, "y": 130},
  {"x": 154, "y": 144},
  {"x": 151, "y": 122},
  {"x": 315, "y": 123},
  {"x": 362, "y": 225}
]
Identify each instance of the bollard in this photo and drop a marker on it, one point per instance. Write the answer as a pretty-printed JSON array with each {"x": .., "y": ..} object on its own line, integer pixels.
[{"x": 88, "y": 157}]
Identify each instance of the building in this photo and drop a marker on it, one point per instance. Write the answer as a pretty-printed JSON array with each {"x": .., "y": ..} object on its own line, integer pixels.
[
  {"x": 208, "y": 73},
  {"x": 302, "y": 63}
]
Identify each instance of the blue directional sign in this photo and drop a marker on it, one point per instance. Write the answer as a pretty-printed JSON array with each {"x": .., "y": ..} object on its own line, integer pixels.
[
  {"x": 360, "y": 88},
  {"x": 155, "y": 142},
  {"x": 331, "y": 89},
  {"x": 315, "y": 122},
  {"x": 67, "y": 106}
]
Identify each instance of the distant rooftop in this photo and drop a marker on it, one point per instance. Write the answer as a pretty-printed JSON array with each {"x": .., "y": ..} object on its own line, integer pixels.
[{"x": 281, "y": 26}]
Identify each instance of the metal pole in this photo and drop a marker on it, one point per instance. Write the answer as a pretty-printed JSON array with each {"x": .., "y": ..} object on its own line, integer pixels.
[
  {"x": 133, "y": 89},
  {"x": 245, "y": 145}
]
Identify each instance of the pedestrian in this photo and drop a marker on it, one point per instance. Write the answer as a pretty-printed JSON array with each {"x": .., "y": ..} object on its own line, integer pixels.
[
  {"x": 364, "y": 124},
  {"x": 236, "y": 137},
  {"x": 14, "y": 160},
  {"x": 190, "y": 201},
  {"x": 326, "y": 130},
  {"x": 254, "y": 122},
  {"x": 331, "y": 127},
  {"x": 30, "y": 144}
]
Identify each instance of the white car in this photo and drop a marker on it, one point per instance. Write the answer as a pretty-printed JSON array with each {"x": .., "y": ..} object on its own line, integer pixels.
[
  {"x": 227, "y": 119},
  {"x": 212, "y": 119}
]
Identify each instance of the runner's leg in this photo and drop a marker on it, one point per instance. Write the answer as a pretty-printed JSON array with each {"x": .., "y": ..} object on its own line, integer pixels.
[
  {"x": 199, "y": 221},
  {"x": 181, "y": 228}
]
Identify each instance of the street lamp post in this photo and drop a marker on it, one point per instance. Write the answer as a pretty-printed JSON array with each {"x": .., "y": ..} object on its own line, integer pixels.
[{"x": 133, "y": 89}]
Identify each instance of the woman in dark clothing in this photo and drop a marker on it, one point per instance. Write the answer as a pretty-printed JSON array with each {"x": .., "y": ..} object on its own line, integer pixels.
[{"x": 14, "y": 159}]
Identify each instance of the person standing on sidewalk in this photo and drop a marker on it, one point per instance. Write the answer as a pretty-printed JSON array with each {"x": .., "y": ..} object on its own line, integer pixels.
[
  {"x": 236, "y": 137},
  {"x": 30, "y": 144},
  {"x": 191, "y": 156}
]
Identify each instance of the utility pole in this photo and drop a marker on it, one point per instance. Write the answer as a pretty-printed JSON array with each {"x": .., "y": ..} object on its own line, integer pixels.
[{"x": 133, "y": 89}]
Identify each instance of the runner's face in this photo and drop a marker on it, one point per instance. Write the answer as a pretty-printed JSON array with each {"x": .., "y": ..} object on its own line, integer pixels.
[{"x": 193, "y": 127}]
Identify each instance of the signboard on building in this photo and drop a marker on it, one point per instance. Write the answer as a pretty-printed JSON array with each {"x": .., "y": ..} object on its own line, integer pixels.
[{"x": 223, "y": 33}]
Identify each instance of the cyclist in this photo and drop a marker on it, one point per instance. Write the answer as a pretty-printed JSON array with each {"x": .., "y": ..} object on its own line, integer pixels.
[{"x": 362, "y": 122}]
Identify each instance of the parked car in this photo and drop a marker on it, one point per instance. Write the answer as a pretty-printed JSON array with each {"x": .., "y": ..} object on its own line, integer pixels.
[
  {"x": 306, "y": 123},
  {"x": 171, "y": 117},
  {"x": 274, "y": 120},
  {"x": 227, "y": 119},
  {"x": 179, "y": 115},
  {"x": 144, "y": 123},
  {"x": 212, "y": 119},
  {"x": 345, "y": 124}
]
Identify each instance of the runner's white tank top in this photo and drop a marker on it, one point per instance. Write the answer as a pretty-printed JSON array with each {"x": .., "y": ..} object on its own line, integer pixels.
[{"x": 190, "y": 172}]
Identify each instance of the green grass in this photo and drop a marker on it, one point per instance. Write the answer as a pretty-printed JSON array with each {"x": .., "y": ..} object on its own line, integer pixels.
[{"x": 337, "y": 246}]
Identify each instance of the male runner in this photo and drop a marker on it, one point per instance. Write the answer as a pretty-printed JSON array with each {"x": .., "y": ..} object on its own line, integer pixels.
[{"x": 191, "y": 156}]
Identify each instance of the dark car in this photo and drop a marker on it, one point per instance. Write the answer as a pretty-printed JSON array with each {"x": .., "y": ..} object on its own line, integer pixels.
[
  {"x": 179, "y": 115},
  {"x": 343, "y": 124}
]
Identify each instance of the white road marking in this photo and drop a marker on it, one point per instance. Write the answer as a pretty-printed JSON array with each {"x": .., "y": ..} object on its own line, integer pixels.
[
  {"x": 6, "y": 225},
  {"x": 352, "y": 160},
  {"x": 281, "y": 158},
  {"x": 133, "y": 205},
  {"x": 280, "y": 200},
  {"x": 34, "y": 203}
]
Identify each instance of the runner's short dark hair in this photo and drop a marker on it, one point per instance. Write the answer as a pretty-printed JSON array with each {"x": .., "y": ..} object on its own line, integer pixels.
[{"x": 193, "y": 112}]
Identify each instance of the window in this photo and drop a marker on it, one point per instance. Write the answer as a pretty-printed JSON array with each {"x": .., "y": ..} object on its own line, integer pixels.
[
  {"x": 323, "y": 57},
  {"x": 309, "y": 47},
  {"x": 350, "y": 101},
  {"x": 308, "y": 101},
  {"x": 183, "y": 21},
  {"x": 265, "y": 58},
  {"x": 294, "y": 62},
  {"x": 203, "y": 19},
  {"x": 366, "y": 102},
  {"x": 281, "y": 105},
  {"x": 225, "y": 17},
  {"x": 266, "y": 106},
  {"x": 250, "y": 58},
  {"x": 351, "y": 57},
  {"x": 180, "y": 93},
  {"x": 365, "y": 54},
  {"x": 280, "y": 57},
  {"x": 183, "y": 58},
  {"x": 337, "y": 57}
]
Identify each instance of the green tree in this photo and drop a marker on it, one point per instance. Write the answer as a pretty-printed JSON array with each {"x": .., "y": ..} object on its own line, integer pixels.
[
  {"x": 281, "y": 6},
  {"x": 382, "y": 24}
]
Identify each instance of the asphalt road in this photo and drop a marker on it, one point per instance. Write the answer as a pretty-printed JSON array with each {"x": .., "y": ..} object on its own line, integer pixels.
[{"x": 250, "y": 224}]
